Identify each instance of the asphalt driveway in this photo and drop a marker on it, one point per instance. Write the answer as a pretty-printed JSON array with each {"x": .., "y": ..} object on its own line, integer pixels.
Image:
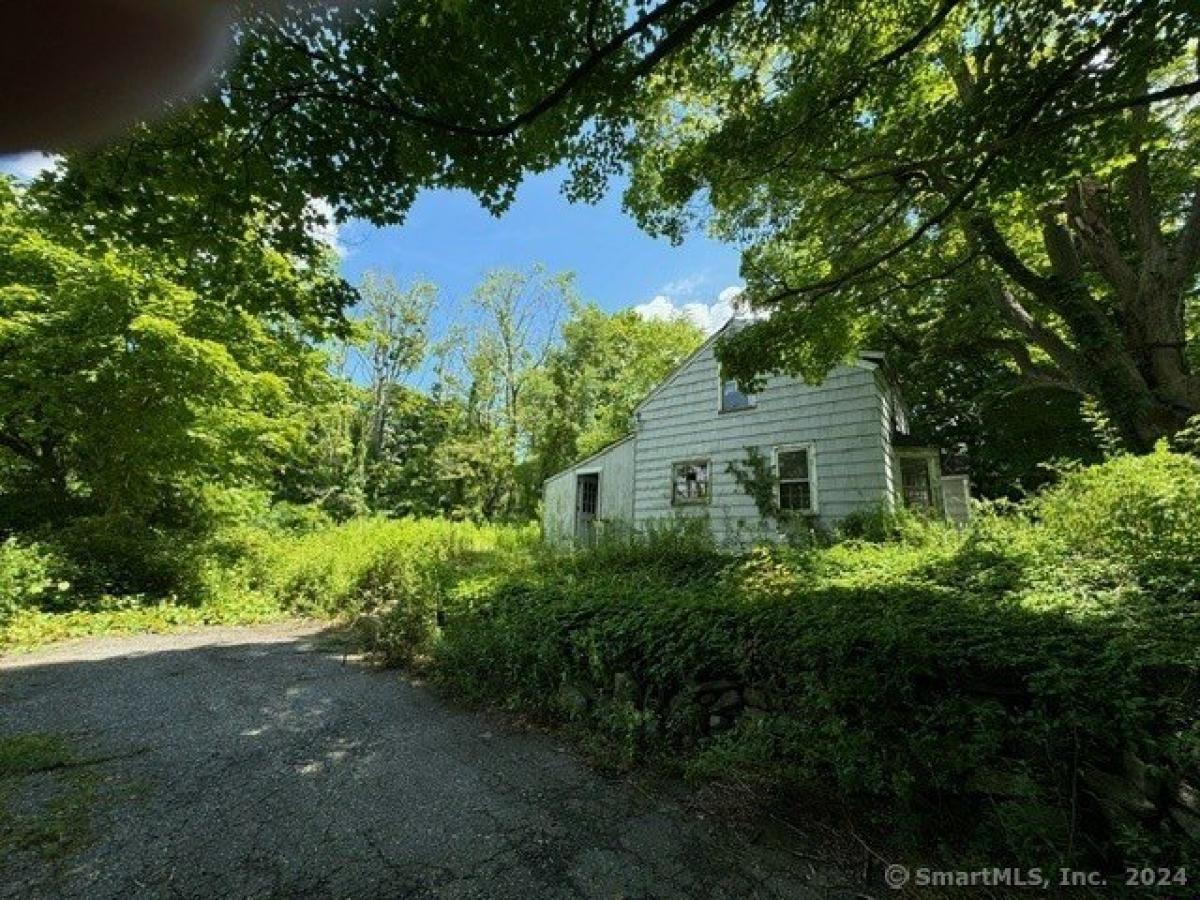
[{"x": 253, "y": 763}]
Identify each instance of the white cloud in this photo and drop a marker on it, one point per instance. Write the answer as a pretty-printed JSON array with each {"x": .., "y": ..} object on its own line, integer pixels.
[
  {"x": 708, "y": 317},
  {"x": 660, "y": 309},
  {"x": 731, "y": 294},
  {"x": 328, "y": 232},
  {"x": 26, "y": 166},
  {"x": 685, "y": 287}
]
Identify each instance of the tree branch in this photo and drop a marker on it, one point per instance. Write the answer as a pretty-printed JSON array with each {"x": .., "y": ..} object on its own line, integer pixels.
[
  {"x": 672, "y": 41},
  {"x": 1035, "y": 130},
  {"x": 676, "y": 38},
  {"x": 22, "y": 448},
  {"x": 1144, "y": 221},
  {"x": 1032, "y": 374},
  {"x": 1019, "y": 124},
  {"x": 855, "y": 90},
  {"x": 1064, "y": 259},
  {"x": 983, "y": 229},
  {"x": 1064, "y": 356},
  {"x": 1086, "y": 216}
]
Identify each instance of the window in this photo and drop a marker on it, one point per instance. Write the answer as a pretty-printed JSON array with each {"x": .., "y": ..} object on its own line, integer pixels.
[
  {"x": 914, "y": 478},
  {"x": 794, "y": 473},
  {"x": 733, "y": 397},
  {"x": 689, "y": 482}
]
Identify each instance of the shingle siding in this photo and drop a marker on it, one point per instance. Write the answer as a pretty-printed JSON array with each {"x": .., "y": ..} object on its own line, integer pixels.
[
  {"x": 841, "y": 417},
  {"x": 615, "y": 466}
]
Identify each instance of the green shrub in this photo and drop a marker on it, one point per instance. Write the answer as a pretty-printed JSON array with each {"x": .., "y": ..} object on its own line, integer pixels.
[
  {"x": 400, "y": 574},
  {"x": 678, "y": 550},
  {"x": 367, "y": 565},
  {"x": 297, "y": 518},
  {"x": 122, "y": 555},
  {"x": 948, "y": 706},
  {"x": 1024, "y": 690},
  {"x": 29, "y": 577},
  {"x": 1142, "y": 513},
  {"x": 883, "y": 524},
  {"x": 1021, "y": 690}
]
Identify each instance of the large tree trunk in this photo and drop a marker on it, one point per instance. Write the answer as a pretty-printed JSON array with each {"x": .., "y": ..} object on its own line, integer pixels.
[
  {"x": 1128, "y": 348},
  {"x": 1156, "y": 340}
]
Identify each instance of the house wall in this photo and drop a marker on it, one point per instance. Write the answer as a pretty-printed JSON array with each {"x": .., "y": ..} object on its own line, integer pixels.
[
  {"x": 558, "y": 507},
  {"x": 615, "y": 466},
  {"x": 842, "y": 418}
]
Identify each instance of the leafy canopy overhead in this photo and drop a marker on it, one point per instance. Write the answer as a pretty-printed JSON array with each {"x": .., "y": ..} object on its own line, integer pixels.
[
  {"x": 1030, "y": 164},
  {"x": 1029, "y": 168},
  {"x": 365, "y": 106}
]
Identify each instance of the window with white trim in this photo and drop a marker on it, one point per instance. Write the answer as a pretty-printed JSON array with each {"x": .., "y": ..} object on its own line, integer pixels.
[
  {"x": 690, "y": 482},
  {"x": 794, "y": 475}
]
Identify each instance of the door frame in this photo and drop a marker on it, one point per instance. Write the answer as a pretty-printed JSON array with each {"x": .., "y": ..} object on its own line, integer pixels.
[
  {"x": 581, "y": 473},
  {"x": 933, "y": 472}
]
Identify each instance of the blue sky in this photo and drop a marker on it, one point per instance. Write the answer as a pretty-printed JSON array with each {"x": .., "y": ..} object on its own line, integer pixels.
[{"x": 449, "y": 239}]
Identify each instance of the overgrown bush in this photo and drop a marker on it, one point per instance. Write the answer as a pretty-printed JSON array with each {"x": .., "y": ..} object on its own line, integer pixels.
[
  {"x": 393, "y": 574},
  {"x": 370, "y": 565},
  {"x": 121, "y": 555},
  {"x": 1024, "y": 690},
  {"x": 1140, "y": 512},
  {"x": 29, "y": 577},
  {"x": 396, "y": 576}
]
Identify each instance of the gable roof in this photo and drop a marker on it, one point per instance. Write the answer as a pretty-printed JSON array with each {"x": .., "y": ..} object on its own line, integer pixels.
[
  {"x": 683, "y": 364},
  {"x": 874, "y": 358}
]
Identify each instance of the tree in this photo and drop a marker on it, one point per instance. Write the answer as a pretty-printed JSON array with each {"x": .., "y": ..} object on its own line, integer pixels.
[
  {"x": 1034, "y": 157},
  {"x": 394, "y": 342},
  {"x": 326, "y": 468},
  {"x": 517, "y": 324},
  {"x": 126, "y": 399},
  {"x": 1036, "y": 153},
  {"x": 966, "y": 398},
  {"x": 592, "y": 381},
  {"x": 419, "y": 468},
  {"x": 179, "y": 192},
  {"x": 512, "y": 327}
]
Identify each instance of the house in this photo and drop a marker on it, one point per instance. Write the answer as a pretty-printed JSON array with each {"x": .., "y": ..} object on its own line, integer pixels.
[{"x": 826, "y": 450}]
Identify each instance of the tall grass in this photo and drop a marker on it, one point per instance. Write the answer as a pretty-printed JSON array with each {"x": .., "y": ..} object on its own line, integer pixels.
[
  {"x": 254, "y": 574},
  {"x": 356, "y": 567}
]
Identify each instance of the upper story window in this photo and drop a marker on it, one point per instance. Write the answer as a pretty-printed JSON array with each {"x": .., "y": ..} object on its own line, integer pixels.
[
  {"x": 690, "y": 482},
  {"x": 733, "y": 397},
  {"x": 795, "y": 476}
]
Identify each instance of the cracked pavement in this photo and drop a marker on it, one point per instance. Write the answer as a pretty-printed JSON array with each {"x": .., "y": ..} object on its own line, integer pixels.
[{"x": 250, "y": 762}]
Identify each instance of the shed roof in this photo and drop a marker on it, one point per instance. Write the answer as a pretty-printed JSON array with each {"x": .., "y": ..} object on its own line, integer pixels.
[{"x": 579, "y": 462}]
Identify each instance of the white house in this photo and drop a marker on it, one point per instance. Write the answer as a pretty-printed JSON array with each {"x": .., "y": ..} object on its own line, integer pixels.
[{"x": 833, "y": 449}]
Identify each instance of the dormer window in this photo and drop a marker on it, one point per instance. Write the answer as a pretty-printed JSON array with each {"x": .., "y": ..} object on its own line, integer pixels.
[{"x": 733, "y": 397}]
